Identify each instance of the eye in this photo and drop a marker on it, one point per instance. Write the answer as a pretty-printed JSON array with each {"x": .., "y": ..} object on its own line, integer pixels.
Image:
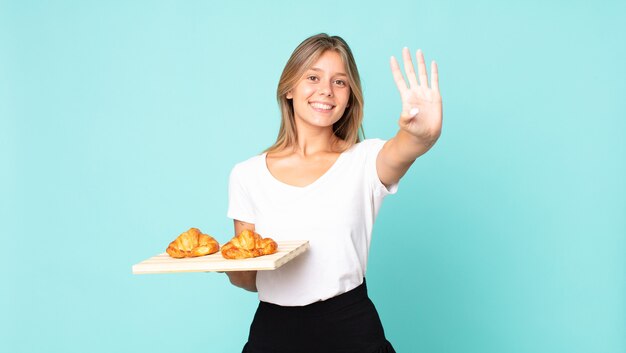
[
  {"x": 312, "y": 78},
  {"x": 340, "y": 83}
]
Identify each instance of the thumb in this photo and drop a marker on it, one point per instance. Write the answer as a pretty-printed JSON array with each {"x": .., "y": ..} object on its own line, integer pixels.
[{"x": 410, "y": 112}]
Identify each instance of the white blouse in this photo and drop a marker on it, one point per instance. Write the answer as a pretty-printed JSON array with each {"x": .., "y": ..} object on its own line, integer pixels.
[{"x": 335, "y": 213}]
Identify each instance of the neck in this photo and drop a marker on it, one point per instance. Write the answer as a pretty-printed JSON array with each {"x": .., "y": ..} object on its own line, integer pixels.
[{"x": 312, "y": 140}]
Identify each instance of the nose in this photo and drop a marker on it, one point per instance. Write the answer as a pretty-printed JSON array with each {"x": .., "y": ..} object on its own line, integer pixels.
[{"x": 325, "y": 89}]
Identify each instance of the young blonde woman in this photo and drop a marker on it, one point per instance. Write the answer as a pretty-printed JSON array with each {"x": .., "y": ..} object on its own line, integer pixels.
[{"x": 322, "y": 182}]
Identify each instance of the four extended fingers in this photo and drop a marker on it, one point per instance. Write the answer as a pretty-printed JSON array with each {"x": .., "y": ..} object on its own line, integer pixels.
[{"x": 410, "y": 72}]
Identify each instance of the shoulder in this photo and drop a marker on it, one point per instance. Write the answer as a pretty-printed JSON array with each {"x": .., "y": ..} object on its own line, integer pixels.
[
  {"x": 364, "y": 153},
  {"x": 368, "y": 146},
  {"x": 250, "y": 165}
]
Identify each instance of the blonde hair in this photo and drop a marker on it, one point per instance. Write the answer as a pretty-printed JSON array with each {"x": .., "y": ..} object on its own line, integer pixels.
[{"x": 349, "y": 127}]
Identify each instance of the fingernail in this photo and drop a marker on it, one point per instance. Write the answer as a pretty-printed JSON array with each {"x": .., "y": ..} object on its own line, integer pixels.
[{"x": 414, "y": 111}]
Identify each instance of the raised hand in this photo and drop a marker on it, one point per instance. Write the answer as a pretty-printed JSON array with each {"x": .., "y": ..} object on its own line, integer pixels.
[{"x": 422, "y": 111}]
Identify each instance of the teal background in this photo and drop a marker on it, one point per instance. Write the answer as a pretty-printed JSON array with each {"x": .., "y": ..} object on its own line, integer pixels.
[{"x": 120, "y": 121}]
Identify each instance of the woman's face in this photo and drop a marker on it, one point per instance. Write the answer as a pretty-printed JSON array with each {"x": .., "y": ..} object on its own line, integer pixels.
[{"x": 322, "y": 94}]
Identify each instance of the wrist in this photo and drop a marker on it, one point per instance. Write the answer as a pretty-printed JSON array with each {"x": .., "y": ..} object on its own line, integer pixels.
[{"x": 422, "y": 140}]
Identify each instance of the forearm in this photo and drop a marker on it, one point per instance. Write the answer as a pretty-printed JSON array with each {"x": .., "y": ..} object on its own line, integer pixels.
[
  {"x": 243, "y": 279},
  {"x": 398, "y": 155},
  {"x": 405, "y": 148}
]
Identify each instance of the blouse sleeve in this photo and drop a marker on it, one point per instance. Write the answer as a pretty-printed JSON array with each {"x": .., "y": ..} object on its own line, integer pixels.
[
  {"x": 240, "y": 205},
  {"x": 379, "y": 189}
]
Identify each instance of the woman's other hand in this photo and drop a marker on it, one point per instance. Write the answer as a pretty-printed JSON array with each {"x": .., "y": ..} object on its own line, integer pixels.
[{"x": 243, "y": 279}]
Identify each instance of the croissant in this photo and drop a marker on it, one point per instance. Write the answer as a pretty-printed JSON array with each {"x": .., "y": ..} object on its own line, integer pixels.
[
  {"x": 248, "y": 244},
  {"x": 192, "y": 243}
]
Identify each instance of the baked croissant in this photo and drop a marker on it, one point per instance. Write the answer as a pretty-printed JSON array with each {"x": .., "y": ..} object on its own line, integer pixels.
[
  {"x": 192, "y": 243},
  {"x": 248, "y": 244}
]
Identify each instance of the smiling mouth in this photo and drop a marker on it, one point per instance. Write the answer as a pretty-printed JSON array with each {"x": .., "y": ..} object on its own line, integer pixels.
[{"x": 321, "y": 106}]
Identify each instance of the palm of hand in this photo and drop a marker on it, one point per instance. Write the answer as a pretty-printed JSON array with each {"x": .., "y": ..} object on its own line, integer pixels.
[{"x": 422, "y": 112}]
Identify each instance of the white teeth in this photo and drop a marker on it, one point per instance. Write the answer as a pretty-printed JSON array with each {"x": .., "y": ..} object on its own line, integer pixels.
[{"x": 321, "y": 106}]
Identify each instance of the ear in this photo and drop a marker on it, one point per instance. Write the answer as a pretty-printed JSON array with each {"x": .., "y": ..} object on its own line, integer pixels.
[{"x": 289, "y": 95}]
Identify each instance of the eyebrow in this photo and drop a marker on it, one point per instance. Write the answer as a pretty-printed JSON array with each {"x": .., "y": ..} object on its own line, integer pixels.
[{"x": 336, "y": 74}]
